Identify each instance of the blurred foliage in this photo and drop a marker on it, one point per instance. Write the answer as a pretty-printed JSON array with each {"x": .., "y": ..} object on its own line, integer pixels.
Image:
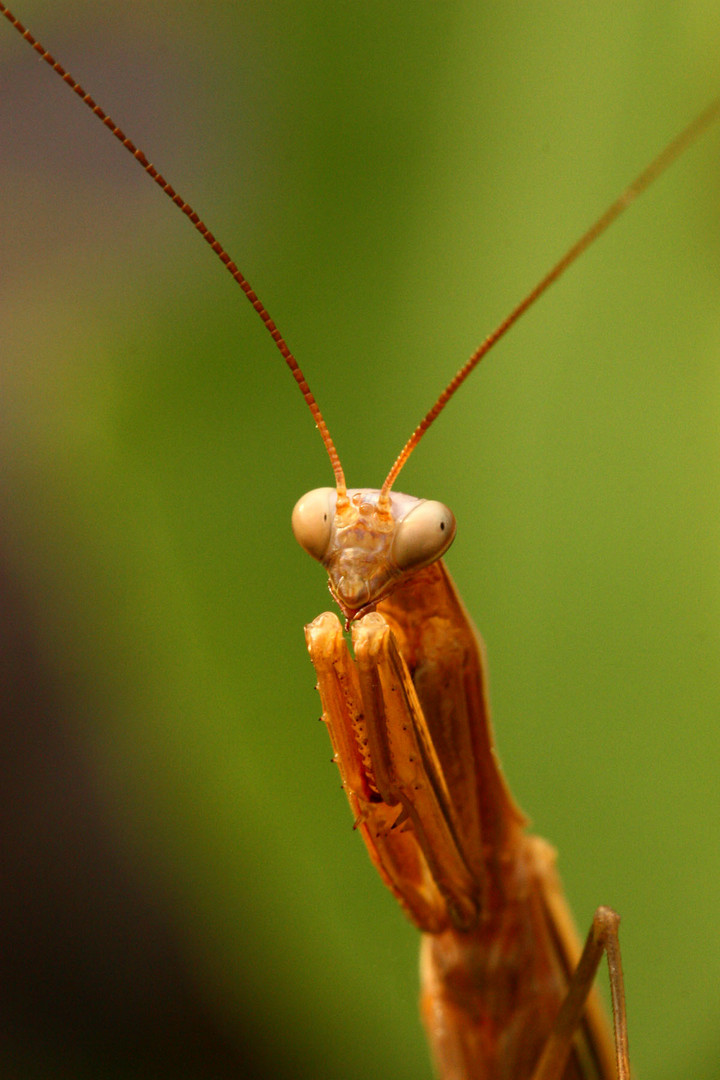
[{"x": 182, "y": 893}]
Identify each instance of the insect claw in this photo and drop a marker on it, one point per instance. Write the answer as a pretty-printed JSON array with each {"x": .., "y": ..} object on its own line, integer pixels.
[{"x": 401, "y": 819}]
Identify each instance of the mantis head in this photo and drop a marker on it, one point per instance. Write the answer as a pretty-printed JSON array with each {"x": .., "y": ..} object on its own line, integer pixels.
[{"x": 370, "y": 540}]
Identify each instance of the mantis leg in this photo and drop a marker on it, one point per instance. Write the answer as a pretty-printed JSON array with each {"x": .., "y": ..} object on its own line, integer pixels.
[
  {"x": 390, "y": 773},
  {"x": 602, "y": 938}
]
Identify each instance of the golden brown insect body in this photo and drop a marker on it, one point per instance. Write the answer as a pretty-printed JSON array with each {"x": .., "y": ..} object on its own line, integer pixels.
[
  {"x": 506, "y": 992},
  {"x": 410, "y": 726}
]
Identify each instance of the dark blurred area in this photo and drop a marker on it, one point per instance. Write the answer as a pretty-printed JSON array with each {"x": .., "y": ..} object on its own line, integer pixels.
[{"x": 92, "y": 983}]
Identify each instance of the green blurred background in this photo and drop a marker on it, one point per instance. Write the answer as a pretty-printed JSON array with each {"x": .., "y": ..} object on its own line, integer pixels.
[{"x": 182, "y": 893}]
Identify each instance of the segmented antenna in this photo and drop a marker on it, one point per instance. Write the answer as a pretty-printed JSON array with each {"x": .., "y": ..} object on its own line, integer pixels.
[
  {"x": 659, "y": 164},
  {"x": 207, "y": 236},
  {"x": 639, "y": 184}
]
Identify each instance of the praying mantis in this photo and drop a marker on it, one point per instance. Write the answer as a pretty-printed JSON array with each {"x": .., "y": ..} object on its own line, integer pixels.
[{"x": 516, "y": 614}]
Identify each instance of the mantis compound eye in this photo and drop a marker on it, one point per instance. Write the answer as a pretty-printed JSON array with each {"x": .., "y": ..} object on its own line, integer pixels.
[
  {"x": 423, "y": 535},
  {"x": 312, "y": 520}
]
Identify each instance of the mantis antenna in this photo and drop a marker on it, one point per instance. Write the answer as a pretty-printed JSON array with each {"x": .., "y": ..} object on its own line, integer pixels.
[
  {"x": 656, "y": 167},
  {"x": 207, "y": 236},
  {"x": 641, "y": 182}
]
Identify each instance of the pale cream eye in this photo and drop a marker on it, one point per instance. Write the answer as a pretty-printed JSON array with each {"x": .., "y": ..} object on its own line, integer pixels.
[
  {"x": 312, "y": 520},
  {"x": 424, "y": 535}
]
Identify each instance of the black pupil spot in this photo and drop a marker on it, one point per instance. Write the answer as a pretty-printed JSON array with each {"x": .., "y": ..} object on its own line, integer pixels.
[{"x": 442, "y": 526}]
